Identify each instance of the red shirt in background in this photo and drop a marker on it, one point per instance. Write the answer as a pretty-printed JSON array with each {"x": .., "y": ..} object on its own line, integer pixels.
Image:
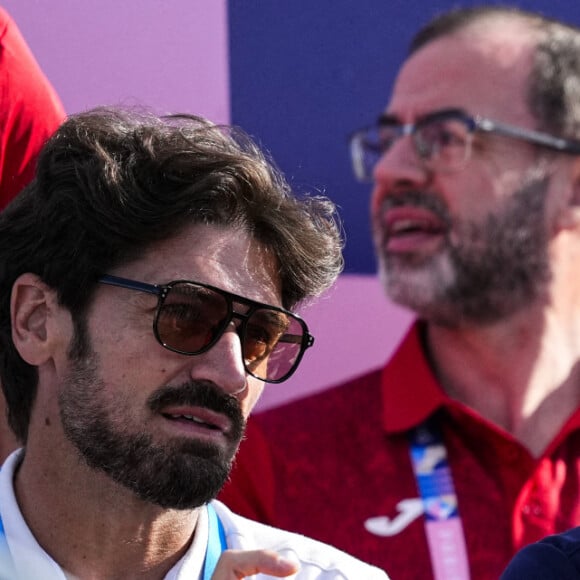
[
  {"x": 336, "y": 465},
  {"x": 29, "y": 107}
]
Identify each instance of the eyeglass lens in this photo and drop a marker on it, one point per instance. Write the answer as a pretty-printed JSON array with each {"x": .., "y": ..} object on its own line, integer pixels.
[
  {"x": 444, "y": 143},
  {"x": 192, "y": 318}
]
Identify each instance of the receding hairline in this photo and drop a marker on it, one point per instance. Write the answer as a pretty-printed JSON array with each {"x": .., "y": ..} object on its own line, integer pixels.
[{"x": 484, "y": 20}]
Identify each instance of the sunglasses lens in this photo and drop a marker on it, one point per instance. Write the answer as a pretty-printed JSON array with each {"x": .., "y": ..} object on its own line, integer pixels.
[
  {"x": 191, "y": 317},
  {"x": 272, "y": 344}
]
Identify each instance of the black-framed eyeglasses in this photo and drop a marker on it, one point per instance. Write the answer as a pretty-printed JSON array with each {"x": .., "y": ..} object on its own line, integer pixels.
[
  {"x": 442, "y": 140},
  {"x": 191, "y": 317}
]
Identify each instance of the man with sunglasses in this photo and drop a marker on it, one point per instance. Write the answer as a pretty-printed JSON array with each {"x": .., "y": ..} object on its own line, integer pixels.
[
  {"x": 466, "y": 446},
  {"x": 146, "y": 280}
]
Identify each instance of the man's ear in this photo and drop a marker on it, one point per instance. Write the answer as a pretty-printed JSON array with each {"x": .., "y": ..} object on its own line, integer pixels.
[{"x": 31, "y": 303}]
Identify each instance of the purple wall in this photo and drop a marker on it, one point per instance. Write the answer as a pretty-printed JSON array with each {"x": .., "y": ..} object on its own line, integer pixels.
[{"x": 355, "y": 328}]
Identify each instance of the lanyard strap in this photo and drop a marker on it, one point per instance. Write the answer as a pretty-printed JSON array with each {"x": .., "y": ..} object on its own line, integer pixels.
[
  {"x": 442, "y": 521},
  {"x": 216, "y": 543},
  {"x": 6, "y": 565}
]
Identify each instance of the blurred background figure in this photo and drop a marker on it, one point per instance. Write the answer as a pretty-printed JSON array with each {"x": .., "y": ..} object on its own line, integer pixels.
[{"x": 31, "y": 110}]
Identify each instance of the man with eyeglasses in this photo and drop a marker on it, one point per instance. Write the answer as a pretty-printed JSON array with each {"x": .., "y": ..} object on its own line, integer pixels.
[
  {"x": 147, "y": 277},
  {"x": 466, "y": 446}
]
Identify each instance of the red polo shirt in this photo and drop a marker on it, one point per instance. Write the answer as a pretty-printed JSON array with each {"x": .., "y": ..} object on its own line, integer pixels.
[
  {"x": 328, "y": 464},
  {"x": 30, "y": 110}
]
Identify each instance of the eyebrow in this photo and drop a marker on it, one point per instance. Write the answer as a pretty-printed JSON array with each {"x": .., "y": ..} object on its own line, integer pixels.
[{"x": 388, "y": 119}]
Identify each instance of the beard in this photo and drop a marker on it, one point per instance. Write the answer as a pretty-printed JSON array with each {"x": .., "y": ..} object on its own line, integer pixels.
[
  {"x": 181, "y": 473},
  {"x": 496, "y": 267}
]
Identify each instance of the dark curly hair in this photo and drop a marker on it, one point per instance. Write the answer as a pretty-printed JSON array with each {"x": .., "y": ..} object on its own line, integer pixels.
[{"x": 111, "y": 182}]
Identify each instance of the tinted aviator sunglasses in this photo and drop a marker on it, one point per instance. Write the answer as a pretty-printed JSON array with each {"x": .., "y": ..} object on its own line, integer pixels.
[
  {"x": 442, "y": 140},
  {"x": 191, "y": 317}
]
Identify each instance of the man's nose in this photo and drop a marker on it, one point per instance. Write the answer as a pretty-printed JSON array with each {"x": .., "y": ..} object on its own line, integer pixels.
[
  {"x": 400, "y": 169},
  {"x": 222, "y": 363},
  {"x": 400, "y": 164}
]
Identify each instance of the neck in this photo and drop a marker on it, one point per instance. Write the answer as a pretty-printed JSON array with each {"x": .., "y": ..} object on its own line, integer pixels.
[
  {"x": 8, "y": 442},
  {"x": 520, "y": 374},
  {"x": 67, "y": 504}
]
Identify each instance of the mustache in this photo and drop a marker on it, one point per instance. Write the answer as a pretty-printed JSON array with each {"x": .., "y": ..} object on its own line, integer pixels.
[
  {"x": 422, "y": 199},
  {"x": 199, "y": 394}
]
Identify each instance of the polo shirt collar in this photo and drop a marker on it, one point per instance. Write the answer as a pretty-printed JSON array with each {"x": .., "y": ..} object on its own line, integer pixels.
[{"x": 410, "y": 390}]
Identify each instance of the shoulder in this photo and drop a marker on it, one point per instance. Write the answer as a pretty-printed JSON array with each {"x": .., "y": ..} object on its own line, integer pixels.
[
  {"x": 30, "y": 110},
  {"x": 360, "y": 392},
  {"x": 318, "y": 561},
  {"x": 553, "y": 558}
]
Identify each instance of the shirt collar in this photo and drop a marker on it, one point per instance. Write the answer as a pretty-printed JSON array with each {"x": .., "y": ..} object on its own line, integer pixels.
[
  {"x": 31, "y": 561},
  {"x": 410, "y": 390}
]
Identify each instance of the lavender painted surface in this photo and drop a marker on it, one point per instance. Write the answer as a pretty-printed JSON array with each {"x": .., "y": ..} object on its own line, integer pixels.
[
  {"x": 356, "y": 328},
  {"x": 173, "y": 56}
]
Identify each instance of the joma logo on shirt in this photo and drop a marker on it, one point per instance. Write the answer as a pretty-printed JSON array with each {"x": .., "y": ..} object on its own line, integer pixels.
[{"x": 409, "y": 510}]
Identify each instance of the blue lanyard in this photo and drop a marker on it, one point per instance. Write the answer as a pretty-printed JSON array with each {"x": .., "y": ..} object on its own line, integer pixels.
[
  {"x": 443, "y": 526},
  {"x": 216, "y": 543}
]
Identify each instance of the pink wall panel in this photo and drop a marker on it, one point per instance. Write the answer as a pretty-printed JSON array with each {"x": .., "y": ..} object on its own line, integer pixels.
[
  {"x": 168, "y": 55},
  {"x": 355, "y": 327}
]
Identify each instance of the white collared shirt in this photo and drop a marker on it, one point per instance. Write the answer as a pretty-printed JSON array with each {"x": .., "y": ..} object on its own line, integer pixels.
[
  {"x": 33, "y": 563},
  {"x": 317, "y": 561}
]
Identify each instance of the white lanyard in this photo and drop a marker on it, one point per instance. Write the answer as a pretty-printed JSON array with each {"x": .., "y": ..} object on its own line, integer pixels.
[{"x": 442, "y": 521}]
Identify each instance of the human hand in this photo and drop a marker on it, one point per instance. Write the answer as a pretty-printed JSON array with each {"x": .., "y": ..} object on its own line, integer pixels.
[{"x": 236, "y": 564}]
